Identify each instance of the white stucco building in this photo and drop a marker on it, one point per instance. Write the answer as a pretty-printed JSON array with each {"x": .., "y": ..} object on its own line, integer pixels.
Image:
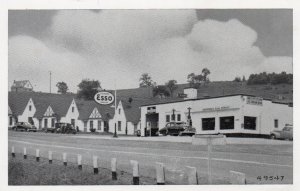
[{"x": 231, "y": 114}]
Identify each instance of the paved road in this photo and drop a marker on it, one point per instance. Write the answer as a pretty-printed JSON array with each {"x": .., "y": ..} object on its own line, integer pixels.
[{"x": 253, "y": 160}]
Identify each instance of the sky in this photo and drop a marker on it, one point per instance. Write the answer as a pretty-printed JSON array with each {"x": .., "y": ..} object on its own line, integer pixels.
[{"x": 117, "y": 46}]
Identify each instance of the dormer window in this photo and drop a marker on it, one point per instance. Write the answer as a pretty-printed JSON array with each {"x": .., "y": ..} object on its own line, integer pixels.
[
  {"x": 30, "y": 108},
  {"x": 72, "y": 109}
]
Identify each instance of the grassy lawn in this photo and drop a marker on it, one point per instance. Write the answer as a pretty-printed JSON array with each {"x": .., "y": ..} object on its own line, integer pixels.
[{"x": 30, "y": 172}]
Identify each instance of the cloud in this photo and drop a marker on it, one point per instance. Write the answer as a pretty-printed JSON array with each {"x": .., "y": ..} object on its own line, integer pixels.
[{"x": 122, "y": 44}]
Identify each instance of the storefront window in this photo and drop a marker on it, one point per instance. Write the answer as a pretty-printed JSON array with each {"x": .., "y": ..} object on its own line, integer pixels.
[
  {"x": 208, "y": 124},
  {"x": 167, "y": 118},
  {"x": 250, "y": 123},
  {"x": 227, "y": 122},
  {"x": 178, "y": 117}
]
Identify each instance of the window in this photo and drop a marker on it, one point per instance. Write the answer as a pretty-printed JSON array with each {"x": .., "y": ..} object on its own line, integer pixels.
[
  {"x": 167, "y": 118},
  {"x": 227, "y": 122},
  {"x": 173, "y": 117},
  {"x": 29, "y": 107},
  {"x": 72, "y": 109},
  {"x": 91, "y": 124},
  {"x": 250, "y": 123},
  {"x": 99, "y": 125},
  {"x": 45, "y": 122},
  {"x": 85, "y": 124},
  {"x": 178, "y": 117},
  {"x": 208, "y": 124},
  {"x": 73, "y": 122},
  {"x": 276, "y": 123},
  {"x": 30, "y": 120},
  {"x": 119, "y": 111},
  {"x": 52, "y": 122},
  {"x": 119, "y": 125},
  {"x": 10, "y": 120}
]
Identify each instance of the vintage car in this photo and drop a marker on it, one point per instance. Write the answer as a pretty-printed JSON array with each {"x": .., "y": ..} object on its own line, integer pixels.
[
  {"x": 285, "y": 133},
  {"x": 189, "y": 131},
  {"x": 24, "y": 126},
  {"x": 65, "y": 128},
  {"x": 173, "y": 128}
]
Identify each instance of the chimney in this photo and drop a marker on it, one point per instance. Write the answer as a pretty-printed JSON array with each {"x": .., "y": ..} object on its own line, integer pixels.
[{"x": 191, "y": 93}]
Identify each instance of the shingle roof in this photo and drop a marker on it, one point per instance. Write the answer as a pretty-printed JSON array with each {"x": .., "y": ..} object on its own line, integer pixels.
[{"x": 86, "y": 108}]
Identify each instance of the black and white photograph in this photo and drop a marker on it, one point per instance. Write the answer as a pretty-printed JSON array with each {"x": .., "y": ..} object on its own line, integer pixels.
[{"x": 187, "y": 96}]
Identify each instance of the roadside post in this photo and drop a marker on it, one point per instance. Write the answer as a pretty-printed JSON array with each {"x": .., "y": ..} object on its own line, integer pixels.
[
  {"x": 135, "y": 173},
  {"x": 50, "y": 157},
  {"x": 95, "y": 164},
  {"x": 209, "y": 140},
  {"x": 13, "y": 152},
  {"x": 114, "y": 168},
  {"x": 160, "y": 173},
  {"x": 65, "y": 159},
  {"x": 37, "y": 155},
  {"x": 79, "y": 158},
  {"x": 25, "y": 153},
  {"x": 192, "y": 175}
]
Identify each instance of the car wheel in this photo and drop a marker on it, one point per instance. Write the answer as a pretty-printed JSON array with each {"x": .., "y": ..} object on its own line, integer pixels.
[{"x": 272, "y": 137}]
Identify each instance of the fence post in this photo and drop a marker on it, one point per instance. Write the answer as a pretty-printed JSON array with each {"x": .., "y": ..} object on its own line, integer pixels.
[
  {"x": 13, "y": 152},
  {"x": 37, "y": 155},
  {"x": 50, "y": 157},
  {"x": 65, "y": 159},
  {"x": 25, "y": 153},
  {"x": 237, "y": 177},
  {"x": 95, "y": 164},
  {"x": 114, "y": 168},
  {"x": 79, "y": 157},
  {"x": 209, "y": 160},
  {"x": 135, "y": 173},
  {"x": 192, "y": 175},
  {"x": 160, "y": 173}
]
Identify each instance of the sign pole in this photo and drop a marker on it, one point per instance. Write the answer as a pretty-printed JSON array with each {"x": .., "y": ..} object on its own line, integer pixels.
[{"x": 115, "y": 133}]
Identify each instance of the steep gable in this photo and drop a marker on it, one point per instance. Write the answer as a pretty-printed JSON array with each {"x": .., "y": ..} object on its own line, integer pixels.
[
  {"x": 95, "y": 114},
  {"x": 49, "y": 112}
]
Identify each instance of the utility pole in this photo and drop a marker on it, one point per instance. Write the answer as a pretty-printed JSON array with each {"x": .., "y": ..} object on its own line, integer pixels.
[
  {"x": 50, "y": 81},
  {"x": 115, "y": 133}
]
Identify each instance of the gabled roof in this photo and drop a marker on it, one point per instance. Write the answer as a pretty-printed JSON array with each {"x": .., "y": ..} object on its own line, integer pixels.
[
  {"x": 86, "y": 108},
  {"x": 59, "y": 103},
  {"x": 21, "y": 83}
]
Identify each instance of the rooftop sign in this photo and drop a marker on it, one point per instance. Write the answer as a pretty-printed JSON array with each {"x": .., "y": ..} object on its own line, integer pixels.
[{"x": 104, "y": 98}]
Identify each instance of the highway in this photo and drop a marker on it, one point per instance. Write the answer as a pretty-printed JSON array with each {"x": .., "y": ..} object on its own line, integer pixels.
[{"x": 253, "y": 160}]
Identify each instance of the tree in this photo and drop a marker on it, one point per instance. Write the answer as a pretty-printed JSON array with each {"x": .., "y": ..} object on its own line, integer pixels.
[
  {"x": 171, "y": 85},
  {"x": 62, "y": 87},
  {"x": 88, "y": 89},
  {"x": 244, "y": 79},
  {"x": 205, "y": 73},
  {"x": 146, "y": 81},
  {"x": 237, "y": 79},
  {"x": 160, "y": 90}
]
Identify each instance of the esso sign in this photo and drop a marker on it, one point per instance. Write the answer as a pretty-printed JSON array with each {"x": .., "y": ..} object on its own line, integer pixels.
[{"x": 104, "y": 98}]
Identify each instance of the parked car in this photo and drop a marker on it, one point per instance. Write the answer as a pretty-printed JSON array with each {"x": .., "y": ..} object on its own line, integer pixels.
[
  {"x": 173, "y": 128},
  {"x": 50, "y": 129},
  {"x": 285, "y": 133},
  {"x": 24, "y": 126},
  {"x": 66, "y": 128},
  {"x": 189, "y": 131}
]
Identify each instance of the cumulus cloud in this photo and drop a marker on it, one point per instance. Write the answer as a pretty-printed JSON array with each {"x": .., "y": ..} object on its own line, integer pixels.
[{"x": 122, "y": 44}]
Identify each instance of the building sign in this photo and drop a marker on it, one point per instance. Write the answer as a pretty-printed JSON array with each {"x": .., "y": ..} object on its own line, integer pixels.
[
  {"x": 151, "y": 109},
  {"x": 216, "y": 108},
  {"x": 104, "y": 98},
  {"x": 254, "y": 100},
  {"x": 182, "y": 95}
]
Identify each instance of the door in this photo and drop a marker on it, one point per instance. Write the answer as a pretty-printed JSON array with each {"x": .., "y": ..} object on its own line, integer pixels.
[
  {"x": 45, "y": 123},
  {"x": 73, "y": 122}
]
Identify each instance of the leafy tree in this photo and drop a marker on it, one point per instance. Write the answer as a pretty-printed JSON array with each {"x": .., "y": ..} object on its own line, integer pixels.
[
  {"x": 146, "y": 80},
  {"x": 237, "y": 79},
  {"x": 88, "y": 89},
  {"x": 161, "y": 90},
  {"x": 205, "y": 73},
  {"x": 196, "y": 80},
  {"x": 270, "y": 78},
  {"x": 62, "y": 87},
  {"x": 171, "y": 85},
  {"x": 244, "y": 79}
]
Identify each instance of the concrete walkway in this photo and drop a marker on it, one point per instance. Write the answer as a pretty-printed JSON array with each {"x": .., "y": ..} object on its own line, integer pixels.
[{"x": 229, "y": 140}]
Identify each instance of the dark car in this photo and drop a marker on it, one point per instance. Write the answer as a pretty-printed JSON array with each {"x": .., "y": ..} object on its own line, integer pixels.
[
  {"x": 50, "y": 129},
  {"x": 173, "y": 128},
  {"x": 285, "y": 133},
  {"x": 189, "y": 131},
  {"x": 66, "y": 128},
  {"x": 24, "y": 126}
]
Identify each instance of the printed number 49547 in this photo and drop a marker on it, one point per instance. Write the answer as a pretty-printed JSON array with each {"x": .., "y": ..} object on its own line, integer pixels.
[{"x": 270, "y": 178}]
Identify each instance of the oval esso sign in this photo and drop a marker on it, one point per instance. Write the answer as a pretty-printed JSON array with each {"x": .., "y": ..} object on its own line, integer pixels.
[{"x": 104, "y": 98}]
